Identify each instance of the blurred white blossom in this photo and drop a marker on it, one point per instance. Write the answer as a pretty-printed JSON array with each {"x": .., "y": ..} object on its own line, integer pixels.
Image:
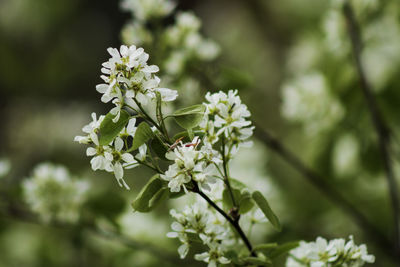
[
  {"x": 54, "y": 194},
  {"x": 136, "y": 33},
  {"x": 345, "y": 155},
  {"x": 307, "y": 99},
  {"x": 187, "y": 43},
  {"x": 144, "y": 10}
]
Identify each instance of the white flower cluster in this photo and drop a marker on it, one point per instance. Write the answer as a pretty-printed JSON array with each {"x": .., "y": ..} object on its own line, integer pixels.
[
  {"x": 308, "y": 100},
  {"x": 144, "y": 10},
  {"x": 190, "y": 163},
  {"x": 202, "y": 222},
  {"x": 53, "y": 194},
  {"x": 336, "y": 252},
  {"x": 112, "y": 157},
  {"x": 226, "y": 117},
  {"x": 187, "y": 43},
  {"x": 5, "y": 167},
  {"x": 129, "y": 80}
]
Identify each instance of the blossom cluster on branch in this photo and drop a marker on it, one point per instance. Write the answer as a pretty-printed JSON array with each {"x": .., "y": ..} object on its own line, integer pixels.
[{"x": 336, "y": 252}]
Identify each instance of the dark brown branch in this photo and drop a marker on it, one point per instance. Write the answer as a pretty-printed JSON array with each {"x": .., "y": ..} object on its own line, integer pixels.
[
  {"x": 18, "y": 213},
  {"x": 234, "y": 223},
  {"x": 378, "y": 121},
  {"x": 318, "y": 181}
]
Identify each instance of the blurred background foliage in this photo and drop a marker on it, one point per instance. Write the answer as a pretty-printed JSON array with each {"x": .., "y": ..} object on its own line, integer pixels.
[{"x": 51, "y": 52}]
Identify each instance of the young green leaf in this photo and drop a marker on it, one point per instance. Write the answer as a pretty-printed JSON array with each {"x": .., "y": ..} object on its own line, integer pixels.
[
  {"x": 159, "y": 148},
  {"x": 266, "y": 209},
  {"x": 142, "y": 135},
  {"x": 109, "y": 130},
  {"x": 246, "y": 202},
  {"x": 282, "y": 249},
  {"x": 257, "y": 261},
  {"x": 267, "y": 247},
  {"x": 189, "y": 117},
  {"x": 237, "y": 184},
  {"x": 184, "y": 136},
  {"x": 227, "y": 199},
  {"x": 149, "y": 195}
]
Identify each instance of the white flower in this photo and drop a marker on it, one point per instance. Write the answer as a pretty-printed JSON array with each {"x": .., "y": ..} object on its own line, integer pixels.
[
  {"x": 214, "y": 256},
  {"x": 147, "y": 9},
  {"x": 112, "y": 157},
  {"x": 102, "y": 155},
  {"x": 190, "y": 163},
  {"x": 226, "y": 116},
  {"x": 198, "y": 219},
  {"x": 91, "y": 130},
  {"x": 128, "y": 78},
  {"x": 53, "y": 194},
  {"x": 323, "y": 253},
  {"x": 119, "y": 158}
]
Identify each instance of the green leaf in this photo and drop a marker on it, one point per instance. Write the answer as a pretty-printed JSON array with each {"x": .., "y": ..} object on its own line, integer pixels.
[
  {"x": 150, "y": 195},
  {"x": 159, "y": 148},
  {"x": 237, "y": 184},
  {"x": 243, "y": 199},
  {"x": 246, "y": 202},
  {"x": 267, "y": 247},
  {"x": 174, "y": 195},
  {"x": 283, "y": 249},
  {"x": 159, "y": 197},
  {"x": 266, "y": 209},
  {"x": 184, "y": 136},
  {"x": 109, "y": 130},
  {"x": 257, "y": 261},
  {"x": 142, "y": 135},
  {"x": 227, "y": 199},
  {"x": 189, "y": 117}
]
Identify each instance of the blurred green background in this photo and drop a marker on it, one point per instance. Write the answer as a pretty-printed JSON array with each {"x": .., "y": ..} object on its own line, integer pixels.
[{"x": 50, "y": 58}]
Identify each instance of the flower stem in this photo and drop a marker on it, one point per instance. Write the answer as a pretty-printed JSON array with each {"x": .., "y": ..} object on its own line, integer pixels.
[
  {"x": 226, "y": 175},
  {"x": 152, "y": 121}
]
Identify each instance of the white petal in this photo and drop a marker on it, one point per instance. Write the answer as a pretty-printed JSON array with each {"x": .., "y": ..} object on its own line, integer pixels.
[
  {"x": 118, "y": 170},
  {"x": 91, "y": 151},
  {"x": 119, "y": 144},
  {"x": 151, "y": 69},
  {"x": 128, "y": 158}
]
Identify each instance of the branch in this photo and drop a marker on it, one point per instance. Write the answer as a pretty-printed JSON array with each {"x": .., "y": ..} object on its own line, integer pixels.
[
  {"x": 318, "y": 181},
  {"x": 16, "y": 212},
  {"x": 381, "y": 128},
  {"x": 234, "y": 223}
]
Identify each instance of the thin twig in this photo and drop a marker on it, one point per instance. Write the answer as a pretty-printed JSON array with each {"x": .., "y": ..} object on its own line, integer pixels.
[
  {"x": 378, "y": 121},
  {"x": 234, "y": 223},
  {"x": 226, "y": 176}
]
